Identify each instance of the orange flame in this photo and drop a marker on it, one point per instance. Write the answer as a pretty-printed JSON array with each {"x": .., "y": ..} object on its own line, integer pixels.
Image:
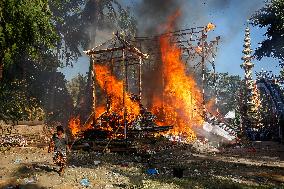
[
  {"x": 198, "y": 49},
  {"x": 74, "y": 125},
  {"x": 210, "y": 27},
  {"x": 114, "y": 89},
  {"x": 181, "y": 105}
]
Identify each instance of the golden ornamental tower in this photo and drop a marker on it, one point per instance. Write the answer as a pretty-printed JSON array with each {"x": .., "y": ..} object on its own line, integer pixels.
[{"x": 251, "y": 115}]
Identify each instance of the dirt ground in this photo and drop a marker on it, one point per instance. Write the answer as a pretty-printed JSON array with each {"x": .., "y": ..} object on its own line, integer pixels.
[{"x": 258, "y": 167}]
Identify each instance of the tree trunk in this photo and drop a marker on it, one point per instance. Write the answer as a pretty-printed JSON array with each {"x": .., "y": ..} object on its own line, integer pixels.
[
  {"x": 1, "y": 66},
  {"x": 1, "y": 71}
]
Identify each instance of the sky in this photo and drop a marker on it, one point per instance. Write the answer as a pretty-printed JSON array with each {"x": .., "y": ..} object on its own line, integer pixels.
[{"x": 230, "y": 18}]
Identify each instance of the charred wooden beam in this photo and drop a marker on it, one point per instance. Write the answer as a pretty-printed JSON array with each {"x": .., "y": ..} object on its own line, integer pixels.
[
  {"x": 152, "y": 129},
  {"x": 130, "y": 47},
  {"x": 90, "y": 52}
]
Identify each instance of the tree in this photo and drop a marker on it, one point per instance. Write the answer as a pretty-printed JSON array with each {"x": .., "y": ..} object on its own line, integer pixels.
[
  {"x": 14, "y": 104},
  {"x": 56, "y": 100},
  {"x": 35, "y": 26},
  {"x": 77, "y": 88},
  {"x": 27, "y": 40},
  {"x": 78, "y": 21},
  {"x": 225, "y": 88},
  {"x": 271, "y": 16},
  {"x": 30, "y": 87},
  {"x": 25, "y": 27}
]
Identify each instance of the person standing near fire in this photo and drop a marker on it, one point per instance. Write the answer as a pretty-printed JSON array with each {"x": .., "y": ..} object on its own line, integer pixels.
[{"x": 59, "y": 145}]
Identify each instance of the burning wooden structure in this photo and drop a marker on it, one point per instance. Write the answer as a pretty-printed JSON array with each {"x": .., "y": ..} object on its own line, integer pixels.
[{"x": 120, "y": 68}]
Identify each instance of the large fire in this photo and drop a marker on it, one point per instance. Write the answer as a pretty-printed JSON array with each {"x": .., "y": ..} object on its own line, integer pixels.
[
  {"x": 181, "y": 105},
  {"x": 114, "y": 89},
  {"x": 120, "y": 103}
]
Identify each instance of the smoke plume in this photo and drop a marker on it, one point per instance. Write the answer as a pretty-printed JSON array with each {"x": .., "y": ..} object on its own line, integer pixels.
[{"x": 152, "y": 15}]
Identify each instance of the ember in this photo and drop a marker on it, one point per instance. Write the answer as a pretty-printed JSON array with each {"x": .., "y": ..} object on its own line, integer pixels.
[{"x": 210, "y": 27}]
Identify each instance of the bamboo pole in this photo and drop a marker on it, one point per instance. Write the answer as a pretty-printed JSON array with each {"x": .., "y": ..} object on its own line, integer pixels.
[
  {"x": 203, "y": 75},
  {"x": 124, "y": 94},
  {"x": 93, "y": 86},
  {"x": 140, "y": 78}
]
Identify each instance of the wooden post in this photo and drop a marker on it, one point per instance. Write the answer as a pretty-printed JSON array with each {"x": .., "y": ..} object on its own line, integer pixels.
[
  {"x": 125, "y": 88},
  {"x": 140, "y": 78},
  {"x": 93, "y": 86},
  {"x": 108, "y": 98},
  {"x": 140, "y": 74},
  {"x": 192, "y": 109},
  {"x": 203, "y": 74}
]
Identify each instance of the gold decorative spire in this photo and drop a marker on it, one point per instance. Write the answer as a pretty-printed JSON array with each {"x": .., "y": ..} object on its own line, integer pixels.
[{"x": 251, "y": 97}]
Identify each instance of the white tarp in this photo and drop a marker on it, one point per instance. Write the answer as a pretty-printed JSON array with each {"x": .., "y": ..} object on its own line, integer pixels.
[
  {"x": 218, "y": 131},
  {"x": 230, "y": 115},
  {"x": 207, "y": 127}
]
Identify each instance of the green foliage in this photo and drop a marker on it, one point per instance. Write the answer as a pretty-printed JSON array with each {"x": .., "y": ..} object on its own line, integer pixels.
[
  {"x": 77, "y": 22},
  {"x": 34, "y": 26},
  {"x": 14, "y": 104},
  {"x": 77, "y": 88},
  {"x": 36, "y": 91},
  {"x": 56, "y": 100},
  {"x": 126, "y": 22},
  {"x": 271, "y": 17},
  {"x": 25, "y": 26},
  {"x": 226, "y": 88}
]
